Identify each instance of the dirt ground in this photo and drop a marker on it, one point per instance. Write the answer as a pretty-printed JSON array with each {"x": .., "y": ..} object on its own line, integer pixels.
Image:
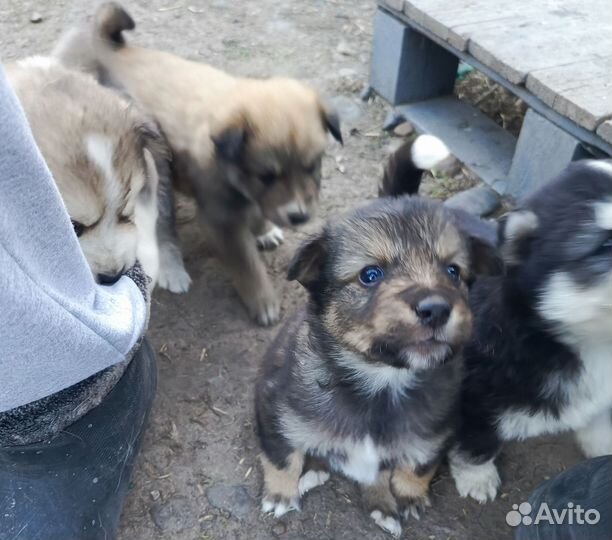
[{"x": 197, "y": 477}]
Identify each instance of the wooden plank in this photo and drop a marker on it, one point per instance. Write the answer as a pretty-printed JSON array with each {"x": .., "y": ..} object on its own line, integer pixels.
[
  {"x": 605, "y": 131},
  {"x": 581, "y": 91},
  {"x": 518, "y": 37},
  {"x": 515, "y": 52},
  {"x": 439, "y": 17},
  {"x": 589, "y": 105},
  {"x": 477, "y": 141},
  {"x": 397, "y": 5},
  {"x": 590, "y": 138},
  {"x": 455, "y": 22},
  {"x": 547, "y": 83},
  {"x": 525, "y": 19}
]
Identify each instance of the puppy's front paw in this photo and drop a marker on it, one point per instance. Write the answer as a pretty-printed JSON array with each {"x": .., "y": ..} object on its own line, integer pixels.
[
  {"x": 279, "y": 505},
  {"x": 411, "y": 491},
  {"x": 265, "y": 309},
  {"x": 312, "y": 479},
  {"x": 271, "y": 239},
  {"x": 281, "y": 493},
  {"x": 176, "y": 281},
  {"x": 172, "y": 274},
  {"x": 387, "y": 523},
  {"x": 413, "y": 507},
  {"x": 480, "y": 482}
]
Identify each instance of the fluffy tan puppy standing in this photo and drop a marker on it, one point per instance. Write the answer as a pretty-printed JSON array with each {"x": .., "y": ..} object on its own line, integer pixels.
[{"x": 249, "y": 150}]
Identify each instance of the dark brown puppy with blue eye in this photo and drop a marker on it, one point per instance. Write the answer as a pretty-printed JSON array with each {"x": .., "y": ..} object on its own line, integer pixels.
[{"x": 364, "y": 381}]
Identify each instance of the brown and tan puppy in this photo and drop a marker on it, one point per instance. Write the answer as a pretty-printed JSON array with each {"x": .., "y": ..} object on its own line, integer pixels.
[
  {"x": 249, "y": 150},
  {"x": 364, "y": 381},
  {"x": 101, "y": 152}
]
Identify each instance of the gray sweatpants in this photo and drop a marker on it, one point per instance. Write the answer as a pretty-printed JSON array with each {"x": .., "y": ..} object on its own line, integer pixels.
[{"x": 57, "y": 326}]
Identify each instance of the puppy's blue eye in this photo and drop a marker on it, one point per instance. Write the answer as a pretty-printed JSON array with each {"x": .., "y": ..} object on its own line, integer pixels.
[
  {"x": 607, "y": 244},
  {"x": 454, "y": 272},
  {"x": 371, "y": 275}
]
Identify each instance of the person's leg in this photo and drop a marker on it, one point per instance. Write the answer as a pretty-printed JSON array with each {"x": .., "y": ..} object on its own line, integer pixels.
[
  {"x": 588, "y": 486},
  {"x": 595, "y": 439},
  {"x": 74, "y": 485}
]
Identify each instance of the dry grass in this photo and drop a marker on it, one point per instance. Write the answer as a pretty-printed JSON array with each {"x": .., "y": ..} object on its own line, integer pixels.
[{"x": 494, "y": 100}]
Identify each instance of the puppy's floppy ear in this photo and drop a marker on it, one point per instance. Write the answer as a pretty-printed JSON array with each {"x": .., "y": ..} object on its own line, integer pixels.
[
  {"x": 486, "y": 259},
  {"x": 482, "y": 241},
  {"x": 157, "y": 155},
  {"x": 516, "y": 233},
  {"x": 331, "y": 122},
  {"x": 230, "y": 140},
  {"x": 153, "y": 139},
  {"x": 308, "y": 262},
  {"x": 476, "y": 227}
]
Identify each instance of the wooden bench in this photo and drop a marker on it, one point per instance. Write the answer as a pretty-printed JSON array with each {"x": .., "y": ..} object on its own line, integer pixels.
[{"x": 555, "y": 55}]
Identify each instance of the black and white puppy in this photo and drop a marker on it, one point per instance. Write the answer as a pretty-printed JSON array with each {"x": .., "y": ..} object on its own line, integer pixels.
[
  {"x": 364, "y": 381},
  {"x": 541, "y": 358}
]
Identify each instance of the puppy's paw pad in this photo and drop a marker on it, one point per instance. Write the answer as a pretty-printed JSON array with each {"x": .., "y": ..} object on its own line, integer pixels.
[
  {"x": 176, "y": 281},
  {"x": 387, "y": 523},
  {"x": 311, "y": 480},
  {"x": 279, "y": 506},
  {"x": 271, "y": 239},
  {"x": 480, "y": 482}
]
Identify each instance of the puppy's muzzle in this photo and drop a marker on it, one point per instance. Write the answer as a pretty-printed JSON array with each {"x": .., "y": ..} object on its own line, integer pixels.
[
  {"x": 433, "y": 312},
  {"x": 295, "y": 213},
  {"x": 298, "y": 218},
  {"x": 108, "y": 279}
]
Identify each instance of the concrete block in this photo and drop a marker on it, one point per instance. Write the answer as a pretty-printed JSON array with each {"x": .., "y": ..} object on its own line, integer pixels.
[
  {"x": 479, "y": 201},
  {"x": 543, "y": 150},
  {"x": 407, "y": 66}
]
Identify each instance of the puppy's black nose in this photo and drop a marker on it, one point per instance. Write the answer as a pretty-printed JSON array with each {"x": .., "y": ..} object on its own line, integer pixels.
[
  {"x": 298, "y": 218},
  {"x": 105, "y": 279},
  {"x": 433, "y": 311}
]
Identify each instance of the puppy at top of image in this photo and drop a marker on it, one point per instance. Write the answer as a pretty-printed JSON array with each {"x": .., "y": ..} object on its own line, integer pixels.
[
  {"x": 540, "y": 361},
  {"x": 101, "y": 152},
  {"x": 364, "y": 380},
  {"x": 248, "y": 150}
]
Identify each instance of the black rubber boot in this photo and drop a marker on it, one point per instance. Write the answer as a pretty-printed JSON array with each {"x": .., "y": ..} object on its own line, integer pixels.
[
  {"x": 73, "y": 487},
  {"x": 588, "y": 485}
]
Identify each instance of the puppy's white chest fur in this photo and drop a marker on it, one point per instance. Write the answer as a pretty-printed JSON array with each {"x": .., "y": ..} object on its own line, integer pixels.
[
  {"x": 587, "y": 395},
  {"x": 362, "y": 461},
  {"x": 359, "y": 459}
]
